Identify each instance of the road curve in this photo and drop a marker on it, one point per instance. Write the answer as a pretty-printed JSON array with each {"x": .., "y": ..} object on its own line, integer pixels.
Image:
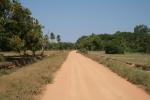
[{"x": 80, "y": 78}]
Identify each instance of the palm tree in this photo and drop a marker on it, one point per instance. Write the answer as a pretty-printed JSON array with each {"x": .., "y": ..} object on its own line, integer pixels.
[
  {"x": 58, "y": 38},
  {"x": 52, "y": 36}
]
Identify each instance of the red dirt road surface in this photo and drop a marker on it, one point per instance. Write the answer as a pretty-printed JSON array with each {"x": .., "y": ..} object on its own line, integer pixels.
[{"x": 80, "y": 78}]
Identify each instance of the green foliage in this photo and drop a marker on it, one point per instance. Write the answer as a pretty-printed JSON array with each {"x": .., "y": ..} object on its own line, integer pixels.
[
  {"x": 92, "y": 42},
  {"x": 18, "y": 29},
  {"x": 33, "y": 37},
  {"x": 141, "y": 29},
  {"x": 84, "y": 51},
  {"x": 50, "y": 42},
  {"x": 58, "y": 38},
  {"x": 44, "y": 43},
  {"x": 16, "y": 43},
  {"x": 52, "y": 36},
  {"x": 61, "y": 46},
  {"x": 137, "y": 41},
  {"x": 113, "y": 49}
]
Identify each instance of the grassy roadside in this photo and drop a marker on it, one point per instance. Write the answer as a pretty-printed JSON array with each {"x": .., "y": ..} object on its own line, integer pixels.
[
  {"x": 27, "y": 82},
  {"x": 7, "y": 71},
  {"x": 134, "y": 75},
  {"x": 136, "y": 58}
]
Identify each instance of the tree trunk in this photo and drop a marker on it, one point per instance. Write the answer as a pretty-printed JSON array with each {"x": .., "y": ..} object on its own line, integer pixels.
[
  {"x": 42, "y": 53},
  {"x": 19, "y": 52},
  {"x": 33, "y": 52},
  {"x": 24, "y": 52}
]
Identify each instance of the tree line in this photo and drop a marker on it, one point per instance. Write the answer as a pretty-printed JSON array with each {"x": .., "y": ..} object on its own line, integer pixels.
[
  {"x": 119, "y": 42},
  {"x": 20, "y": 31},
  {"x": 54, "y": 43}
]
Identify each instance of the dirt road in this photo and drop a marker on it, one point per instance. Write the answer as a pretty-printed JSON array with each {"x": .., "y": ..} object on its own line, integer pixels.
[{"x": 83, "y": 79}]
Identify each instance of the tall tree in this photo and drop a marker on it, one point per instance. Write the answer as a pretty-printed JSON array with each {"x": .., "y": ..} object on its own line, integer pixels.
[
  {"x": 141, "y": 29},
  {"x": 58, "y": 38},
  {"x": 33, "y": 37},
  {"x": 5, "y": 8},
  {"x": 17, "y": 24},
  {"x": 59, "y": 42},
  {"x": 44, "y": 43},
  {"x": 52, "y": 36}
]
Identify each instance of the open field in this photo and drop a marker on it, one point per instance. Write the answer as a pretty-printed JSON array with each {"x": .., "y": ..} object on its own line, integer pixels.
[
  {"x": 26, "y": 82},
  {"x": 137, "y": 58},
  {"x": 132, "y": 74}
]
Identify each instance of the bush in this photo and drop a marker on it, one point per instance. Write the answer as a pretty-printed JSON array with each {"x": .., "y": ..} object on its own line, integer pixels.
[
  {"x": 83, "y": 51},
  {"x": 113, "y": 49}
]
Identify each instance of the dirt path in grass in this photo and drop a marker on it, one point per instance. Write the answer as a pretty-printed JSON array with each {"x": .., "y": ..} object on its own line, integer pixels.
[{"x": 83, "y": 79}]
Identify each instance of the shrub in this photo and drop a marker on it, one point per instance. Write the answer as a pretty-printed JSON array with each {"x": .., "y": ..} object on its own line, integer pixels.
[
  {"x": 83, "y": 51},
  {"x": 113, "y": 49}
]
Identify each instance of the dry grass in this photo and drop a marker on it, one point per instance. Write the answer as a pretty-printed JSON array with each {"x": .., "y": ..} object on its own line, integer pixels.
[
  {"x": 136, "y": 58},
  {"x": 27, "y": 82},
  {"x": 11, "y": 53},
  {"x": 5, "y": 71},
  {"x": 132, "y": 74}
]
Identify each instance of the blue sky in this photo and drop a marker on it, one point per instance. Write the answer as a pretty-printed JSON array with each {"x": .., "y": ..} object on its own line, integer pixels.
[{"x": 74, "y": 18}]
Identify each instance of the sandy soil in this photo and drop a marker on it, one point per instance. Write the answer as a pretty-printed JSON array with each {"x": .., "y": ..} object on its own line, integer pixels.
[{"x": 83, "y": 79}]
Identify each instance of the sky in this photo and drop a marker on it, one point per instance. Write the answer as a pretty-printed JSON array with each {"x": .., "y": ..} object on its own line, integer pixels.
[{"x": 72, "y": 19}]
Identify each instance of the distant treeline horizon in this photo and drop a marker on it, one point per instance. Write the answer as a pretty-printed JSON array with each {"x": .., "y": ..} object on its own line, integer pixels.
[
  {"x": 119, "y": 42},
  {"x": 20, "y": 31}
]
